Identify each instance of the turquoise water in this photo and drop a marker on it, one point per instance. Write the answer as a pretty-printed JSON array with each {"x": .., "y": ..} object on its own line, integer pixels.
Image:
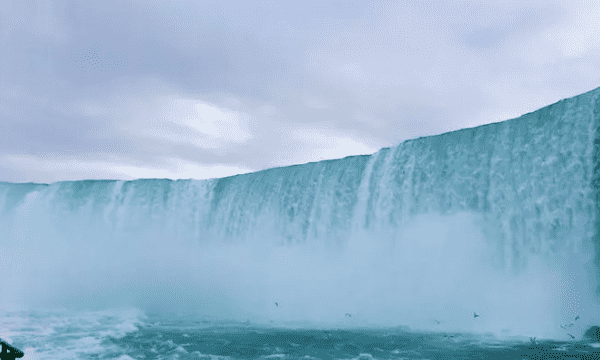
[
  {"x": 252, "y": 342},
  {"x": 130, "y": 334}
]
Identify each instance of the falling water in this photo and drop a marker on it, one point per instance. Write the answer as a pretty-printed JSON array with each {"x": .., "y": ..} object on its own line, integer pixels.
[{"x": 501, "y": 219}]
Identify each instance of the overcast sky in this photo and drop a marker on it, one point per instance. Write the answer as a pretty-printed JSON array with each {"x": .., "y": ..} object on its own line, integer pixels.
[{"x": 194, "y": 89}]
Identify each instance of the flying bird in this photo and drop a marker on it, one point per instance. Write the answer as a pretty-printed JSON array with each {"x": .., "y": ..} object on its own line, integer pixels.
[
  {"x": 276, "y": 304},
  {"x": 572, "y": 337},
  {"x": 475, "y": 315},
  {"x": 348, "y": 315},
  {"x": 570, "y": 324},
  {"x": 436, "y": 322}
]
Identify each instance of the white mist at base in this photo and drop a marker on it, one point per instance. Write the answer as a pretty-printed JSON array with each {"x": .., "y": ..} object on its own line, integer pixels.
[{"x": 436, "y": 268}]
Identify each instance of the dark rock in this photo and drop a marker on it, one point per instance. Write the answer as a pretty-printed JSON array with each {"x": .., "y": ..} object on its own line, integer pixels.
[
  {"x": 9, "y": 352},
  {"x": 593, "y": 333}
]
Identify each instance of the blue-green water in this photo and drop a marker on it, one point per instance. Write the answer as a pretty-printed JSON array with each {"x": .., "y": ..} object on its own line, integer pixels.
[
  {"x": 259, "y": 342},
  {"x": 130, "y": 334}
]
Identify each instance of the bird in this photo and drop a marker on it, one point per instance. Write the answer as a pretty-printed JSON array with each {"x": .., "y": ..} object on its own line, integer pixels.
[
  {"x": 436, "y": 322},
  {"x": 348, "y": 315},
  {"x": 563, "y": 326},
  {"x": 475, "y": 315},
  {"x": 572, "y": 337},
  {"x": 576, "y": 317},
  {"x": 276, "y": 304}
]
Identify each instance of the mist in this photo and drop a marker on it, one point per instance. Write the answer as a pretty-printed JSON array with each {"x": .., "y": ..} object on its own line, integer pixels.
[{"x": 436, "y": 267}]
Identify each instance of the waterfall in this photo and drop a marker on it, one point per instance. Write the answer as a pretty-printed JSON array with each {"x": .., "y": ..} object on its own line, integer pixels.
[{"x": 501, "y": 218}]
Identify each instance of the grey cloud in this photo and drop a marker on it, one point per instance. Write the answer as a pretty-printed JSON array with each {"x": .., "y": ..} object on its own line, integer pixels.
[{"x": 86, "y": 80}]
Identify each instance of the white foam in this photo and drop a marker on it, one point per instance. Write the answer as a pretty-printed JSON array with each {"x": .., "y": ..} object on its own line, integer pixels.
[{"x": 62, "y": 334}]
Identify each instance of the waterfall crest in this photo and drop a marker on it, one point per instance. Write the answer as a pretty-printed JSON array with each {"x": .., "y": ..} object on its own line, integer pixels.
[{"x": 474, "y": 219}]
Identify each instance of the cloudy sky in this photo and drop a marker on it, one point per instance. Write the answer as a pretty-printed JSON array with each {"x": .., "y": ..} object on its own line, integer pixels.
[{"x": 194, "y": 89}]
